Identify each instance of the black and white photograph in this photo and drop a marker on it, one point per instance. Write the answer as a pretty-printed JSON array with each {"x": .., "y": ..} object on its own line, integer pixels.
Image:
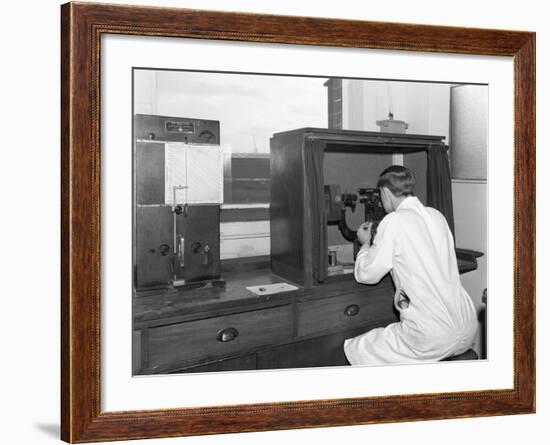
[{"x": 305, "y": 221}]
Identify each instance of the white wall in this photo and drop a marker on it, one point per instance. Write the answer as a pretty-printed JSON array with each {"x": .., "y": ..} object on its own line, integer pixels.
[
  {"x": 470, "y": 211},
  {"x": 145, "y": 92},
  {"x": 424, "y": 106},
  {"x": 30, "y": 327},
  {"x": 469, "y": 105}
]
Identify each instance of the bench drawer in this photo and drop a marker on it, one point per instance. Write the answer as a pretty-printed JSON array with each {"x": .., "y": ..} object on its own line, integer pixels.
[
  {"x": 216, "y": 337},
  {"x": 344, "y": 312}
]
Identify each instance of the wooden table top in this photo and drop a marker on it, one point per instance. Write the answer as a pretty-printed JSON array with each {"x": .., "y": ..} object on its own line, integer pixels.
[{"x": 161, "y": 306}]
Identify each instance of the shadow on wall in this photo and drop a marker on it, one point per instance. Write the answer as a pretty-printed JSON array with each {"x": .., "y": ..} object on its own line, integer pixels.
[{"x": 49, "y": 429}]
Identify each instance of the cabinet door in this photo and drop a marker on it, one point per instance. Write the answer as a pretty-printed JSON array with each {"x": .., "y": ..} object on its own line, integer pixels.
[
  {"x": 149, "y": 168},
  {"x": 322, "y": 351},
  {"x": 154, "y": 246},
  {"x": 244, "y": 363},
  {"x": 136, "y": 352},
  {"x": 199, "y": 229}
]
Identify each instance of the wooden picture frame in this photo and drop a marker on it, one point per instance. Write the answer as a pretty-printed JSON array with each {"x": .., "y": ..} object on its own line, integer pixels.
[{"x": 82, "y": 26}]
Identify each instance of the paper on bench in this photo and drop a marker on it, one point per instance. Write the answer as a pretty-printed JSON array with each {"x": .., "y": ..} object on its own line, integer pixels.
[{"x": 269, "y": 289}]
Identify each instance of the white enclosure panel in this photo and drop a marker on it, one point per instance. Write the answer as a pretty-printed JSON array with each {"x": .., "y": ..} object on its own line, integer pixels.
[
  {"x": 205, "y": 174},
  {"x": 244, "y": 248},
  {"x": 175, "y": 159},
  {"x": 244, "y": 239},
  {"x": 196, "y": 171},
  {"x": 244, "y": 228}
]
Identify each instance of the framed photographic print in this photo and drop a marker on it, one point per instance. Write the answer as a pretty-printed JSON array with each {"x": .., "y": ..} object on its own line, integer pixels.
[{"x": 276, "y": 222}]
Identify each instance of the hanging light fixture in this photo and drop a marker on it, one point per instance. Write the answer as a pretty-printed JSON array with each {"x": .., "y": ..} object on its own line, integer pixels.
[{"x": 391, "y": 125}]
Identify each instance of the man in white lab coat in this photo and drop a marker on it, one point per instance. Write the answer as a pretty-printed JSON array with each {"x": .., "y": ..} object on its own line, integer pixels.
[{"x": 414, "y": 244}]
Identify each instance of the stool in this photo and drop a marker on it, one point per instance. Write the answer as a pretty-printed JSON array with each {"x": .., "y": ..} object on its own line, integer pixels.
[{"x": 470, "y": 354}]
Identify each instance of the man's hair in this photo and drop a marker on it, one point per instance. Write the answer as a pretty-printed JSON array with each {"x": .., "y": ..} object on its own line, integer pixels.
[{"x": 398, "y": 179}]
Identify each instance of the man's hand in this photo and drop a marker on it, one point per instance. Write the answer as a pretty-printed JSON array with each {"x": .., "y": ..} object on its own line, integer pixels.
[{"x": 364, "y": 233}]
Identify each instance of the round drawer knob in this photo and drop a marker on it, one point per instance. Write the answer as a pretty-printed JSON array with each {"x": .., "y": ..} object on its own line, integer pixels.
[
  {"x": 227, "y": 334},
  {"x": 164, "y": 249},
  {"x": 351, "y": 310}
]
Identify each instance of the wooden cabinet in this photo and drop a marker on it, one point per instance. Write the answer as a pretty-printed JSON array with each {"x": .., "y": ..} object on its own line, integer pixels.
[
  {"x": 305, "y": 328},
  {"x": 299, "y": 234}
]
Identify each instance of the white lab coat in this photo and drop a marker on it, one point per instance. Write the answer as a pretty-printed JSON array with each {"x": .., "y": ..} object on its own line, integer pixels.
[{"x": 415, "y": 245}]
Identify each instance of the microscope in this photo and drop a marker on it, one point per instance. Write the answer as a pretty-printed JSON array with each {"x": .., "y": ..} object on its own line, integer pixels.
[{"x": 336, "y": 205}]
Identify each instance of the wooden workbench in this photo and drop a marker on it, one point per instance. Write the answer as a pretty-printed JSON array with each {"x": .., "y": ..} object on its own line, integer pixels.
[{"x": 230, "y": 328}]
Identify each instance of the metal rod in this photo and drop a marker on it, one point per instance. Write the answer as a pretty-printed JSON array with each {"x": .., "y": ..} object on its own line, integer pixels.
[{"x": 175, "y": 252}]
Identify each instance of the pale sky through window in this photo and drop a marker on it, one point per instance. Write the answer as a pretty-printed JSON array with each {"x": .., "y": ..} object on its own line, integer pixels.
[{"x": 250, "y": 108}]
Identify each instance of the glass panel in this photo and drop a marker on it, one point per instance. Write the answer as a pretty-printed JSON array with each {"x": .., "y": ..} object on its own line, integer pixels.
[{"x": 196, "y": 173}]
